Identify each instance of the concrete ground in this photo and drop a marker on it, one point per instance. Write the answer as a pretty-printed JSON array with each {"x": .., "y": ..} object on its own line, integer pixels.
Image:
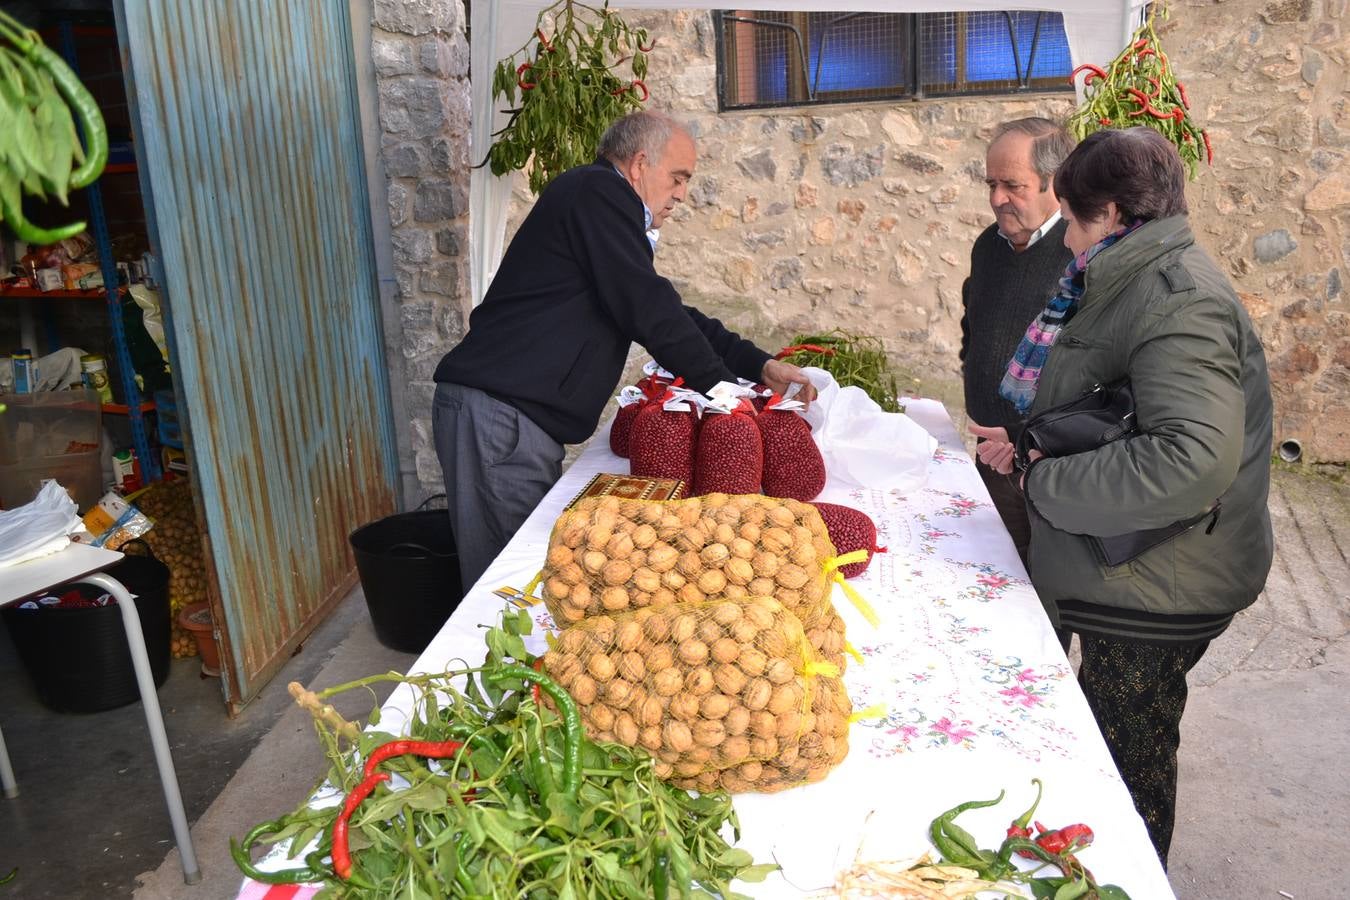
[{"x": 1263, "y": 799}]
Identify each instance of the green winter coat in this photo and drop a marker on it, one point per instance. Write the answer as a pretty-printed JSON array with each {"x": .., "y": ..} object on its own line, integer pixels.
[{"x": 1156, "y": 308}]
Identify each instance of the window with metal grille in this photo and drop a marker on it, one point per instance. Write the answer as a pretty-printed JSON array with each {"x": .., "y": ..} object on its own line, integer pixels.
[{"x": 793, "y": 58}]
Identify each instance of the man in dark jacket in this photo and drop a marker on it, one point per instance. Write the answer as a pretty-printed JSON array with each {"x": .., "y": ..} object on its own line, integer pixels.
[
  {"x": 547, "y": 346},
  {"x": 1014, "y": 267}
]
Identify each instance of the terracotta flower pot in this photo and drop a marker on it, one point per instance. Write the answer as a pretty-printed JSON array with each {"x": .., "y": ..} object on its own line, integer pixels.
[{"x": 196, "y": 619}]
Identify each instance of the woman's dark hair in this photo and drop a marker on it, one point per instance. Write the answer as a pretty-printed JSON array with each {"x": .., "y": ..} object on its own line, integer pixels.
[{"x": 1137, "y": 169}]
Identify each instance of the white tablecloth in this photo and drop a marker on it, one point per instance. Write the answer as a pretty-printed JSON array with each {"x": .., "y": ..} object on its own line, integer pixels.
[{"x": 978, "y": 695}]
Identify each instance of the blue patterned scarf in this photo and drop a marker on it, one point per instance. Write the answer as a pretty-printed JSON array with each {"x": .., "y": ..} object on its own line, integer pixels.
[{"x": 1024, "y": 369}]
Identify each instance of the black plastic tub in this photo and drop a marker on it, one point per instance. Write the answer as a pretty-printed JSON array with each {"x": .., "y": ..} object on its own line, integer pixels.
[
  {"x": 78, "y": 659},
  {"x": 409, "y": 572}
]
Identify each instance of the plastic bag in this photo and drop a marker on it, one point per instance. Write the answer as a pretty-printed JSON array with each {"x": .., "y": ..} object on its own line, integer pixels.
[
  {"x": 864, "y": 446},
  {"x": 38, "y": 528}
]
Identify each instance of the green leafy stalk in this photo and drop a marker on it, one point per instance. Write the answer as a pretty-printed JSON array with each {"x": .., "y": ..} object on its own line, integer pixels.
[{"x": 491, "y": 822}]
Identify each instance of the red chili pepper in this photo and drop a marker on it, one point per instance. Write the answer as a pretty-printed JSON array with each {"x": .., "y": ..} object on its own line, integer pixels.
[
  {"x": 1062, "y": 840},
  {"x": 429, "y": 749},
  {"x": 814, "y": 348},
  {"x": 1157, "y": 86},
  {"x": 1147, "y": 51},
  {"x": 538, "y": 666},
  {"x": 1209, "y": 150},
  {"x": 1179, "y": 114},
  {"x": 1019, "y": 828},
  {"x": 1104, "y": 120},
  {"x": 637, "y": 83},
  {"x": 1140, "y": 44},
  {"x": 649, "y": 47},
  {"x": 1092, "y": 72},
  {"x": 342, "y": 855},
  {"x": 1185, "y": 101},
  {"x": 520, "y": 80},
  {"x": 619, "y": 91},
  {"x": 543, "y": 40}
]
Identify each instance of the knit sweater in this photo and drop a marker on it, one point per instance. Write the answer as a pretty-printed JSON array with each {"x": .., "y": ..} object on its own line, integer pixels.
[
  {"x": 575, "y": 289},
  {"x": 1004, "y": 293}
]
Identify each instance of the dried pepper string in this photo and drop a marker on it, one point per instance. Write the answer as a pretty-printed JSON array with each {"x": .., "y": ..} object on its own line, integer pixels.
[{"x": 1139, "y": 87}]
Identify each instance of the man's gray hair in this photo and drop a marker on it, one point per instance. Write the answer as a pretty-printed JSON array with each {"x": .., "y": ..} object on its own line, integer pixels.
[
  {"x": 1050, "y": 144},
  {"x": 647, "y": 131}
]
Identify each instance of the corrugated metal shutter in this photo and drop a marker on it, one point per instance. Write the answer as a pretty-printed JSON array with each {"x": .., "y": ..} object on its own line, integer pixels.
[{"x": 248, "y": 116}]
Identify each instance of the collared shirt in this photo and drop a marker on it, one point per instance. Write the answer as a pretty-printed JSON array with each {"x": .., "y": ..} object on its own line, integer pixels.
[
  {"x": 653, "y": 234},
  {"x": 1035, "y": 235}
]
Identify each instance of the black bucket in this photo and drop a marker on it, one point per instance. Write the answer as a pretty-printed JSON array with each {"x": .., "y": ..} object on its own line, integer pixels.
[
  {"x": 409, "y": 572},
  {"x": 78, "y": 658}
]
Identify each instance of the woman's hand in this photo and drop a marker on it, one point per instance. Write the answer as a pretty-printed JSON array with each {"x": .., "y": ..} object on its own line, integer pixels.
[
  {"x": 778, "y": 375},
  {"x": 994, "y": 449}
]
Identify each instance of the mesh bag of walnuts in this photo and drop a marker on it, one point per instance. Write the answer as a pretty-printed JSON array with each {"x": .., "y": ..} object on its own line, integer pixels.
[
  {"x": 822, "y": 745},
  {"x": 609, "y": 555},
  {"x": 701, "y": 686}
]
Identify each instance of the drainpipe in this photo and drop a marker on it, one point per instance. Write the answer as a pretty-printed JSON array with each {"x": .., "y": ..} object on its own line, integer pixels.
[{"x": 1291, "y": 450}]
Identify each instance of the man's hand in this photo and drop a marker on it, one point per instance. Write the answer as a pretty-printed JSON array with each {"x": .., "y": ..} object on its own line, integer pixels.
[
  {"x": 995, "y": 450},
  {"x": 778, "y": 375}
]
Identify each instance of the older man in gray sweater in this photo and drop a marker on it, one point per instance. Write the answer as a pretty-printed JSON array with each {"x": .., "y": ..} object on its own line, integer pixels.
[{"x": 1014, "y": 268}]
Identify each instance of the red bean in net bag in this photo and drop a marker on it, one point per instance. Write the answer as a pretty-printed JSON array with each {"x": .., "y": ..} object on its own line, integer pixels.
[
  {"x": 793, "y": 466},
  {"x": 729, "y": 458},
  {"x": 662, "y": 442},
  {"x": 850, "y": 529}
]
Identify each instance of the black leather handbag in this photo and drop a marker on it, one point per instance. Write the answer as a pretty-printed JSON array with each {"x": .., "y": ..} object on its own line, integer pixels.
[{"x": 1103, "y": 414}]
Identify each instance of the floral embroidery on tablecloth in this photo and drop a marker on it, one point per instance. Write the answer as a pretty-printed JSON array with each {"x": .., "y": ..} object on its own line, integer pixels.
[
  {"x": 945, "y": 454},
  {"x": 930, "y": 534},
  {"x": 958, "y": 506}
]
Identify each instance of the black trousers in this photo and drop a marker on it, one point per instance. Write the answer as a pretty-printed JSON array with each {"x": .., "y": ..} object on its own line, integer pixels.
[
  {"x": 1137, "y": 693},
  {"x": 1011, "y": 506}
]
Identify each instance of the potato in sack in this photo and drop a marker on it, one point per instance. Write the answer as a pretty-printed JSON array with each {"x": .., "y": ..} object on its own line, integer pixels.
[
  {"x": 793, "y": 466},
  {"x": 700, "y": 686}
]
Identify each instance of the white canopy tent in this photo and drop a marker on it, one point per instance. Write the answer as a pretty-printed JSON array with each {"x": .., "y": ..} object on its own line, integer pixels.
[{"x": 1096, "y": 30}]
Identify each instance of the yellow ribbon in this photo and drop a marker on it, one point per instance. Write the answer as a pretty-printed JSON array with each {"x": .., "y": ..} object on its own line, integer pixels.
[
  {"x": 528, "y": 594},
  {"x": 844, "y": 559},
  {"x": 820, "y": 667},
  {"x": 857, "y": 600},
  {"x": 853, "y": 652},
  {"x": 875, "y": 711}
]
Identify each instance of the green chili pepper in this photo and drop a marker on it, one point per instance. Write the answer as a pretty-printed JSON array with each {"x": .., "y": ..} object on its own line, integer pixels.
[
  {"x": 956, "y": 844},
  {"x": 10, "y": 877},
  {"x": 241, "y": 854},
  {"x": 567, "y": 711},
  {"x": 661, "y": 875},
  {"x": 461, "y": 873}
]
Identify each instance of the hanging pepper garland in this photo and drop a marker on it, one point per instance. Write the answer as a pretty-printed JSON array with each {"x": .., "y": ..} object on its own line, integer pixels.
[
  {"x": 1139, "y": 87},
  {"x": 566, "y": 90}
]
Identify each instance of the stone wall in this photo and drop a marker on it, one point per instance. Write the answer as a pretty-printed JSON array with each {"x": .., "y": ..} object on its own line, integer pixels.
[
  {"x": 421, "y": 62},
  {"x": 862, "y": 216}
]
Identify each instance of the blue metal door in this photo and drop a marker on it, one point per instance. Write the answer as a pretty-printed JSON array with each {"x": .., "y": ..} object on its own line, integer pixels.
[{"x": 250, "y": 134}]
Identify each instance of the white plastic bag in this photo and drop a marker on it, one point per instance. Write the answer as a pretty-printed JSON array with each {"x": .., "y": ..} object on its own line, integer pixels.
[
  {"x": 38, "y": 528},
  {"x": 863, "y": 445}
]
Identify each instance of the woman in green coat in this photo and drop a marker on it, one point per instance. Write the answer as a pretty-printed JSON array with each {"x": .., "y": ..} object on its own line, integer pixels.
[{"x": 1142, "y": 300}]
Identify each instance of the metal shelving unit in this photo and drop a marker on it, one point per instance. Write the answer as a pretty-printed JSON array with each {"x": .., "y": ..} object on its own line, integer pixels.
[{"x": 136, "y": 406}]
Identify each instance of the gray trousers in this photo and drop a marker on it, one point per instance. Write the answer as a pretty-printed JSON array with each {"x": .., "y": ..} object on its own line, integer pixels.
[{"x": 497, "y": 465}]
